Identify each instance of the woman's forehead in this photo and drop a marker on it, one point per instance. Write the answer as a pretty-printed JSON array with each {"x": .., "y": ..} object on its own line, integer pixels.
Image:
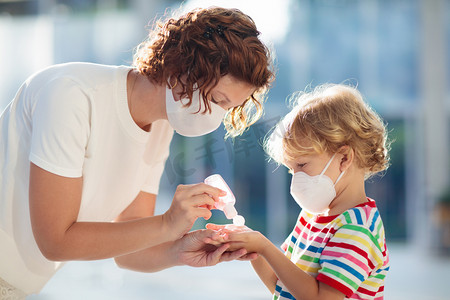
[{"x": 233, "y": 90}]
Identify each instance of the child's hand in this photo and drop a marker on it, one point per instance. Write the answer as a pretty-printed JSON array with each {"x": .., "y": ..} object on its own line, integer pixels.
[
  {"x": 222, "y": 232},
  {"x": 239, "y": 237}
]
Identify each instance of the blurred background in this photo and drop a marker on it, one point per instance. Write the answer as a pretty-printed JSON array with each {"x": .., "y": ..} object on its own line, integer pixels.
[{"x": 395, "y": 51}]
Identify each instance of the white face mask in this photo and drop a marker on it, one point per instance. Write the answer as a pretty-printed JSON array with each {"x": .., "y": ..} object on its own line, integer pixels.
[
  {"x": 190, "y": 121},
  {"x": 314, "y": 193}
]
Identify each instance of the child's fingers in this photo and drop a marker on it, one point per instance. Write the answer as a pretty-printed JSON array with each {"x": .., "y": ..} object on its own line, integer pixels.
[
  {"x": 210, "y": 237},
  {"x": 215, "y": 226}
]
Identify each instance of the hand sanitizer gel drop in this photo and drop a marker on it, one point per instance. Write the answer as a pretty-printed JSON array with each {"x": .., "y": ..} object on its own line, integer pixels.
[
  {"x": 239, "y": 220},
  {"x": 226, "y": 203}
]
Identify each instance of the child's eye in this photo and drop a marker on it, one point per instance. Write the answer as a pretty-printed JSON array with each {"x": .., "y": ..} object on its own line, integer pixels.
[
  {"x": 214, "y": 101},
  {"x": 301, "y": 165}
]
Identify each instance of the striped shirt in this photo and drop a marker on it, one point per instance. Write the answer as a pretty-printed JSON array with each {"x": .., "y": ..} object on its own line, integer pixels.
[{"x": 347, "y": 251}]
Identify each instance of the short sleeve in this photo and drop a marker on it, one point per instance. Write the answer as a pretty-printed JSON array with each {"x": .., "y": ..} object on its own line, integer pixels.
[
  {"x": 158, "y": 152},
  {"x": 349, "y": 258},
  {"x": 152, "y": 184},
  {"x": 291, "y": 240},
  {"x": 286, "y": 242},
  {"x": 60, "y": 128}
]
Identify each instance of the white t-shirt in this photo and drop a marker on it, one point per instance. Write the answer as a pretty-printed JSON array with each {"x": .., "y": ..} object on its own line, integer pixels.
[{"x": 72, "y": 120}]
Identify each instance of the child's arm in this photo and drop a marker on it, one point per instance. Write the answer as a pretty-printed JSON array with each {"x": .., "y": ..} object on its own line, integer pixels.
[
  {"x": 260, "y": 265},
  {"x": 265, "y": 272},
  {"x": 299, "y": 283}
]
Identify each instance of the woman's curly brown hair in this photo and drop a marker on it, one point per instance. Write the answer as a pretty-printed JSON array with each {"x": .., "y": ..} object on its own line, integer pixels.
[{"x": 199, "y": 48}]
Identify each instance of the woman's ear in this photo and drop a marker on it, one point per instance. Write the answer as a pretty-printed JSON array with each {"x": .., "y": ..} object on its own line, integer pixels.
[{"x": 347, "y": 156}]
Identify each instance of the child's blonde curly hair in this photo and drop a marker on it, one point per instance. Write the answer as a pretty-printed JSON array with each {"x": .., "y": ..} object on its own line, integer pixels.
[{"x": 324, "y": 120}]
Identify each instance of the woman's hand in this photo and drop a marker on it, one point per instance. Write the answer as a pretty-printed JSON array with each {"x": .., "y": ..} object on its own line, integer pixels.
[
  {"x": 239, "y": 237},
  {"x": 189, "y": 203},
  {"x": 193, "y": 250}
]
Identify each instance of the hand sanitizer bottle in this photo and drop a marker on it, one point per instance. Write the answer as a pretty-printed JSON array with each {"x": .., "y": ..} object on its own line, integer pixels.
[{"x": 226, "y": 203}]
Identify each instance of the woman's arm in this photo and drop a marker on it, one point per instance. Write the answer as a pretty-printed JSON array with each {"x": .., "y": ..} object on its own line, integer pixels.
[
  {"x": 144, "y": 206},
  {"x": 191, "y": 249},
  {"x": 55, "y": 203}
]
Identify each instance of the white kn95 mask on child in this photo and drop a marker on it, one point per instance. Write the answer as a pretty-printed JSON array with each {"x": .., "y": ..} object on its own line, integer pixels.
[
  {"x": 314, "y": 193},
  {"x": 191, "y": 121}
]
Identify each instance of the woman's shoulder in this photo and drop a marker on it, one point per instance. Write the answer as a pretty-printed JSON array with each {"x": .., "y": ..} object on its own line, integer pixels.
[
  {"x": 85, "y": 77},
  {"x": 77, "y": 71}
]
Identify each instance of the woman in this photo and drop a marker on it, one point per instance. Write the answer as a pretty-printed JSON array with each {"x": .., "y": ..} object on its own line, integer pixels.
[{"x": 83, "y": 145}]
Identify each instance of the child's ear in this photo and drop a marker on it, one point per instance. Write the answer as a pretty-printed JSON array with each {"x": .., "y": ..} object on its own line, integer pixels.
[{"x": 347, "y": 156}]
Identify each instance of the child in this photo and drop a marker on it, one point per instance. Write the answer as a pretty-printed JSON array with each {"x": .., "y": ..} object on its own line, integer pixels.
[{"x": 331, "y": 142}]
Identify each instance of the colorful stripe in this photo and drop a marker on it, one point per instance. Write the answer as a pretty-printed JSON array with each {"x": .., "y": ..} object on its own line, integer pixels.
[
  {"x": 347, "y": 252},
  {"x": 351, "y": 258}
]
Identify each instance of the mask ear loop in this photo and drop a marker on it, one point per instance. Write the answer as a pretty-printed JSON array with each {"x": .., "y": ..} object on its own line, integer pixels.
[
  {"x": 328, "y": 164},
  {"x": 339, "y": 178},
  {"x": 326, "y": 167}
]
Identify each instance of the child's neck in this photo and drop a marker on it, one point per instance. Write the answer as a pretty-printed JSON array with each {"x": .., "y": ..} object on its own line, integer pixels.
[{"x": 351, "y": 194}]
